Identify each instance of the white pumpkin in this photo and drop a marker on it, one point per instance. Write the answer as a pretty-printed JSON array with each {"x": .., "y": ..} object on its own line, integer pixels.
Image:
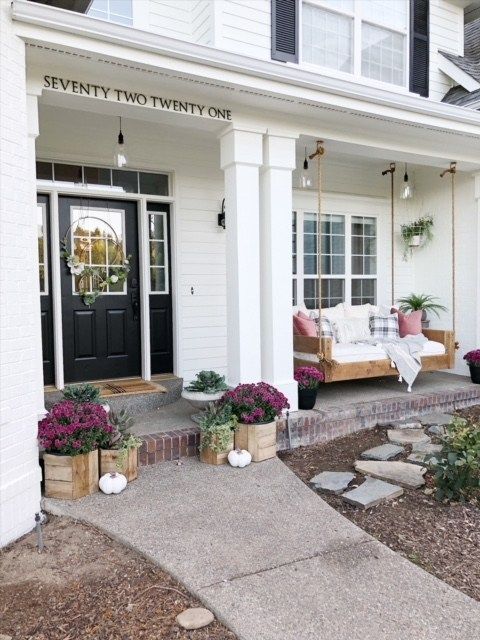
[
  {"x": 239, "y": 458},
  {"x": 112, "y": 482}
]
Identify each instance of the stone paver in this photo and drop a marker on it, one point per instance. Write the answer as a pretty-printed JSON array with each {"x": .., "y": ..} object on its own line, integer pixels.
[
  {"x": 332, "y": 481},
  {"x": 436, "y": 419},
  {"x": 424, "y": 453},
  {"x": 407, "y": 424},
  {"x": 426, "y": 447},
  {"x": 407, "y": 436},
  {"x": 402, "y": 473},
  {"x": 195, "y": 618},
  {"x": 382, "y": 452},
  {"x": 271, "y": 559},
  {"x": 421, "y": 459},
  {"x": 372, "y": 492}
]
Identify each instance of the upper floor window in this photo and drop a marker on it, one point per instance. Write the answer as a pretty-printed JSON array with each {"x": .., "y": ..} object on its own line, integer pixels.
[
  {"x": 363, "y": 37},
  {"x": 119, "y": 11}
]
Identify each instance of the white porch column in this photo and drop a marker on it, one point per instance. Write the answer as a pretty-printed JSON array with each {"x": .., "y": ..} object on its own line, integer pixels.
[
  {"x": 276, "y": 264},
  {"x": 241, "y": 157},
  {"x": 476, "y": 177}
]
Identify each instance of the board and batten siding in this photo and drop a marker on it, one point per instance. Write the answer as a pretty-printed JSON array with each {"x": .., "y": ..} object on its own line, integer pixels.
[{"x": 446, "y": 34}]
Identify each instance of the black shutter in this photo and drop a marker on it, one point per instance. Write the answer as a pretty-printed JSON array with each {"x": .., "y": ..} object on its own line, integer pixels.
[
  {"x": 285, "y": 30},
  {"x": 419, "y": 46}
]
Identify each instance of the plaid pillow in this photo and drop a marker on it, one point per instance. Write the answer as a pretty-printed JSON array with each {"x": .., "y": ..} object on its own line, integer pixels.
[
  {"x": 327, "y": 328},
  {"x": 384, "y": 327}
]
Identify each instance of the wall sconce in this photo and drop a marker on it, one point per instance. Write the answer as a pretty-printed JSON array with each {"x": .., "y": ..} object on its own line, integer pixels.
[{"x": 221, "y": 216}]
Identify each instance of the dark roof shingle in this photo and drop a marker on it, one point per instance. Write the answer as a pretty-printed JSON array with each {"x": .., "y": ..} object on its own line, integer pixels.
[{"x": 470, "y": 61}]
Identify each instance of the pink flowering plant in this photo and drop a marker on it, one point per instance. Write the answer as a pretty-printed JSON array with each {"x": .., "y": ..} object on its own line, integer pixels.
[
  {"x": 473, "y": 357},
  {"x": 308, "y": 377},
  {"x": 256, "y": 403},
  {"x": 70, "y": 428}
]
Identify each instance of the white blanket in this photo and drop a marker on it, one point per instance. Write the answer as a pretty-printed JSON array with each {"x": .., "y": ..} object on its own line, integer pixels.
[{"x": 405, "y": 356}]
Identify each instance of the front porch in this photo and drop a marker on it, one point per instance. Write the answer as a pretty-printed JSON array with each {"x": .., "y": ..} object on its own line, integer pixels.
[{"x": 341, "y": 408}]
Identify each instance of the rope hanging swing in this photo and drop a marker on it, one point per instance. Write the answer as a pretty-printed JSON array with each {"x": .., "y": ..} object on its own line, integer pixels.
[
  {"x": 452, "y": 170},
  {"x": 391, "y": 171}
]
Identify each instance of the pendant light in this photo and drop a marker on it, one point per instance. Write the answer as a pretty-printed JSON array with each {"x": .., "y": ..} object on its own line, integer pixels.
[
  {"x": 407, "y": 188},
  {"x": 120, "y": 155},
  {"x": 305, "y": 180}
]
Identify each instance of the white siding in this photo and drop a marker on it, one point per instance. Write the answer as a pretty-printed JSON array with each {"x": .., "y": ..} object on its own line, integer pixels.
[
  {"x": 446, "y": 34},
  {"x": 190, "y": 20},
  {"x": 243, "y": 26},
  {"x": 199, "y": 244},
  {"x": 203, "y": 22},
  {"x": 19, "y": 300}
]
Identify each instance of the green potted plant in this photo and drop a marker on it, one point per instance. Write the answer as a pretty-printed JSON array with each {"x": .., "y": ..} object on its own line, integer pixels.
[
  {"x": 257, "y": 407},
  {"x": 473, "y": 360},
  {"x": 207, "y": 387},
  {"x": 421, "y": 302},
  {"x": 217, "y": 426},
  {"x": 417, "y": 233},
  {"x": 119, "y": 451},
  {"x": 308, "y": 379},
  {"x": 84, "y": 392},
  {"x": 71, "y": 434}
]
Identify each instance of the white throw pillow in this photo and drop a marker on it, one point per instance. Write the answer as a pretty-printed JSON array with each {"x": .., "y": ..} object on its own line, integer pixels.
[
  {"x": 357, "y": 310},
  {"x": 300, "y": 307},
  {"x": 332, "y": 313},
  {"x": 349, "y": 330}
]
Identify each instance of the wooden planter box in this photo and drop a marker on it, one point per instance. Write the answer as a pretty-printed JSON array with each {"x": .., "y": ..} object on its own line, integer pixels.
[
  {"x": 260, "y": 440},
  {"x": 129, "y": 466},
  {"x": 210, "y": 457},
  {"x": 71, "y": 477}
]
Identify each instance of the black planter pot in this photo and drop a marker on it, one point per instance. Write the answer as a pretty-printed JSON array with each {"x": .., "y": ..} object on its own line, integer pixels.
[
  {"x": 474, "y": 373},
  {"x": 307, "y": 398}
]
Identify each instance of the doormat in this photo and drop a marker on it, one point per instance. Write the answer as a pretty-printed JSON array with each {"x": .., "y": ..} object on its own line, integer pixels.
[{"x": 131, "y": 386}]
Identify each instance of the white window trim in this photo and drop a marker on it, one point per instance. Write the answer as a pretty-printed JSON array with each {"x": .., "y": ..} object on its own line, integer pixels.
[
  {"x": 349, "y": 206},
  {"x": 166, "y": 266},
  {"x": 356, "y": 15}
]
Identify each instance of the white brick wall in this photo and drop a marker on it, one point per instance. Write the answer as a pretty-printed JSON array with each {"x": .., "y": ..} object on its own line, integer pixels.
[{"x": 19, "y": 299}]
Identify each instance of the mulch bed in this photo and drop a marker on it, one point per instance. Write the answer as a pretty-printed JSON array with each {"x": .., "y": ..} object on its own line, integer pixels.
[
  {"x": 442, "y": 539},
  {"x": 86, "y": 586}
]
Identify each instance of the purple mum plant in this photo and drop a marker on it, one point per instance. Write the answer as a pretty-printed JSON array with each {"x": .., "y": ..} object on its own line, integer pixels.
[
  {"x": 70, "y": 429},
  {"x": 308, "y": 377},
  {"x": 473, "y": 357},
  {"x": 256, "y": 403}
]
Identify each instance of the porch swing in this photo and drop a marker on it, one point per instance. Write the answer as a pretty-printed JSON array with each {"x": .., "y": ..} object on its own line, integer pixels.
[{"x": 319, "y": 352}]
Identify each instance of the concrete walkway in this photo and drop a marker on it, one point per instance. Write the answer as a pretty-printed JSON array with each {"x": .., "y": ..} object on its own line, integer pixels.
[{"x": 272, "y": 560}]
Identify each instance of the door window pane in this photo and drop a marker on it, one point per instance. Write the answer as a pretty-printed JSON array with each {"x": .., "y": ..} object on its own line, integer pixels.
[
  {"x": 383, "y": 54},
  {"x": 96, "y": 175},
  {"x": 127, "y": 180},
  {"x": 98, "y": 240},
  {"x": 158, "y": 234},
  {"x": 67, "y": 173},
  {"x": 154, "y": 184},
  {"x": 327, "y": 38}
]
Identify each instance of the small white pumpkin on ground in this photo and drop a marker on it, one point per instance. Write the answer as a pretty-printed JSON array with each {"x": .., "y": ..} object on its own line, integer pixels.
[
  {"x": 239, "y": 458},
  {"x": 112, "y": 482}
]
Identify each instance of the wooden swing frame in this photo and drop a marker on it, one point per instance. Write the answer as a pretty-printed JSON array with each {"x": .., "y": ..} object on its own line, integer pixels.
[{"x": 323, "y": 347}]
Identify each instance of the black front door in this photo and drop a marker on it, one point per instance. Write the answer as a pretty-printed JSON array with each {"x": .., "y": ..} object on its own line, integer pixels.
[{"x": 102, "y": 340}]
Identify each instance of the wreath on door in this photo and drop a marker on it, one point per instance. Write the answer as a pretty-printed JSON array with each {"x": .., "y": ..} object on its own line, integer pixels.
[{"x": 93, "y": 281}]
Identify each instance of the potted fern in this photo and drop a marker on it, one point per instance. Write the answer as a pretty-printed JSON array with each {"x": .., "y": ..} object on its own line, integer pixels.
[
  {"x": 207, "y": 387},
  {"x": 119, "y": 451},
  {"x": 421, "y": 302},
  {"x": 217, "y": 426}
]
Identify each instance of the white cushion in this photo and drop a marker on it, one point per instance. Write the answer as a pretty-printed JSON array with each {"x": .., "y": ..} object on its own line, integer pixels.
[
  {"x": 345, "y": 353},
  {"x": 331, "y": 313},
  {"x": 357, "y": 310},
  {"x": 349, "y": 330}
]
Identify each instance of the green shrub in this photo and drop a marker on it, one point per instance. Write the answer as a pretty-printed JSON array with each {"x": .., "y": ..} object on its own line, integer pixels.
[
  {"x": 216, "y": 425},
  {"x": 457, "y": 466},
  {"x": 80, "y": 393}
]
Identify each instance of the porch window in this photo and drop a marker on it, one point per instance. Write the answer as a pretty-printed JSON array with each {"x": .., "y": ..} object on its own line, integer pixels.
[
  {"x": 349, "y": 259},
  {"x": 363, "y": 37},
  {"x": 119, "y": 11},
  {"x": 158, "y": 235}
]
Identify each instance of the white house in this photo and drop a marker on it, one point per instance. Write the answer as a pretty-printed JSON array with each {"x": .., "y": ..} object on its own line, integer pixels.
[{"x": 219, "y": 100}]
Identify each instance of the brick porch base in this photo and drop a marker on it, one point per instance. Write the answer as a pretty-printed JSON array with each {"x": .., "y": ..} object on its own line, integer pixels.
[{"x": 309, "y": 427}]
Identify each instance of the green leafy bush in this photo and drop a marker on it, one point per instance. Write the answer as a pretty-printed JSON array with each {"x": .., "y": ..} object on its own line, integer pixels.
[
  {"x": 216, "y": 425},
  {"x": 80, "y": 393},
  {"x": 207, "y": 382},
  {"x": 457, "y": 466}
]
